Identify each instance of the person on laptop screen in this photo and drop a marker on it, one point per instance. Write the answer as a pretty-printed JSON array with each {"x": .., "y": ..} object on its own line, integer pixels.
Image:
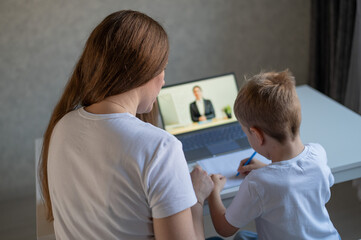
[{"x": 201, "y": 109}]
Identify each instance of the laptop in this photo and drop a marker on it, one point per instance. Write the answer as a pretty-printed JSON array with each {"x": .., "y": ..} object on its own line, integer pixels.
[{"x": 200, "y": 114}]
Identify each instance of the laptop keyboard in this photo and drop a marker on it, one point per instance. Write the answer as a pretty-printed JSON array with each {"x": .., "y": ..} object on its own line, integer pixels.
[{"x": 201, "y": 139}]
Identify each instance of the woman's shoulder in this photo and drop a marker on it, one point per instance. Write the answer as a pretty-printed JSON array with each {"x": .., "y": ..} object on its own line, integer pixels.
[
  {"x": 133, "y": 126},
  {"x": 156, "y": 133}
]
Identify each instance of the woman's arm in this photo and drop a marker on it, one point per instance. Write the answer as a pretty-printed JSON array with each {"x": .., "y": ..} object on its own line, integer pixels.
[
  {"x": 178, "y": 226},
  {"x": 187, "y": 224},
  {"x": 218, "y": 210},
  {"x": 203, "y": 186}
]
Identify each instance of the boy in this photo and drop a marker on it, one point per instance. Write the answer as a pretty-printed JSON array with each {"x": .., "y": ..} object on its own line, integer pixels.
[{"x": 287, "y": 197}]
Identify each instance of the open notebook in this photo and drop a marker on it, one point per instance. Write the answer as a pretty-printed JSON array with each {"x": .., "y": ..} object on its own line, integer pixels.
[{"x": 228, "y": 164}]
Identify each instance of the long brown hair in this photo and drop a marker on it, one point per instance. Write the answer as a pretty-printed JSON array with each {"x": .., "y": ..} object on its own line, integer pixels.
[{"x": 126, "y": 50}]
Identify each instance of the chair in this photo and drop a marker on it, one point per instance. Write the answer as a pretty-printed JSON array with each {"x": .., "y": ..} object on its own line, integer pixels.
[{"x": 44, "y": 229}]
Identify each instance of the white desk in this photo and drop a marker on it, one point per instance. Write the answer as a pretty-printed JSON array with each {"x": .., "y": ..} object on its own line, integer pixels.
[{"x": 335, "y": 127}]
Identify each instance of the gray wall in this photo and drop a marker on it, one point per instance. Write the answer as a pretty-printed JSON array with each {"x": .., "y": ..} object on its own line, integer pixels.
[{"x": 41, "y": 40}]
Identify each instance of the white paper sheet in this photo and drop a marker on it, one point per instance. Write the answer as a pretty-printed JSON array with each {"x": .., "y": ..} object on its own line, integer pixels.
[{"x": 227, "y": 165}]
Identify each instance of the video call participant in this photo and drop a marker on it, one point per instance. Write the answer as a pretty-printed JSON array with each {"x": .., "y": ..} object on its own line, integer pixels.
[{"x": 201, "y": 109}]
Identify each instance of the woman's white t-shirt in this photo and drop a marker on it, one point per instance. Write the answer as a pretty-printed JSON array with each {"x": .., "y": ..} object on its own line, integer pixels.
[{"x": 111, "y": 174}]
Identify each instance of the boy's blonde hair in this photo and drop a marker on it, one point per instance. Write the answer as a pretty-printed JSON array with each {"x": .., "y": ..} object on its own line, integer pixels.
[{"x": 269, "y": 101}]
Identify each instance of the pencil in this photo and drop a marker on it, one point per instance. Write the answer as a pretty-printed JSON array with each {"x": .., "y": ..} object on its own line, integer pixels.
[{"x": 248, "y": 161}]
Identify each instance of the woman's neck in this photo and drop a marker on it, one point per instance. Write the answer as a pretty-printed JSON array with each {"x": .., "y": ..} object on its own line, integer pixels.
[{"x": 122, "y": 103}]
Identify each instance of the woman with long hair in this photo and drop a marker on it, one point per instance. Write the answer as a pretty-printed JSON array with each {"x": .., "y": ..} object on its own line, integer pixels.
[{"x": 105, "y": 174}]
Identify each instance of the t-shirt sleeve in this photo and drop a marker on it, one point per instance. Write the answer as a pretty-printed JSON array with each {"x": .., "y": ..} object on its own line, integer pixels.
[
  {"x": 245, "y": 207},
  {"x": 170, "y": 188},
  {"x": 321, "y": 156}
]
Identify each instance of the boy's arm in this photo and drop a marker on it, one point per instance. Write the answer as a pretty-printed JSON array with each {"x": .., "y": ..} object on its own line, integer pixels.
[
  {"x": 254, "y": 164},
  {"x": 218, "y": 210}
]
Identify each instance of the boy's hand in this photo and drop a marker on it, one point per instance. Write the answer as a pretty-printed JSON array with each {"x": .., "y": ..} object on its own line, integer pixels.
[
  {"x": 219, "y": 182},
  {"x": 202, "y": 183},
  {"x": 254, "y": 164}
]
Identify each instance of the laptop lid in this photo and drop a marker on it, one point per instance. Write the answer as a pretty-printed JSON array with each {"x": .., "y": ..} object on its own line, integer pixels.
[{"x": 181, "y": 112}]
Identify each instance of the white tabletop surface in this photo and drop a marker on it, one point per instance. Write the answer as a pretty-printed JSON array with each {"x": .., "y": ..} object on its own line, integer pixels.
[{"x": 336, "y": 128}]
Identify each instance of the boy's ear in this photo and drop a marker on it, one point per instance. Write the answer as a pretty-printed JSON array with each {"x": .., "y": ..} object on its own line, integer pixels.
[{"x": 258, "y": 133}]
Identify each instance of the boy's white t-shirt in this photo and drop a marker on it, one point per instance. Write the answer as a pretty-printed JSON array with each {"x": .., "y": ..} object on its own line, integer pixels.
[
  {"x": 287, "y": 199},
  {"x": 111, "y": 174}
]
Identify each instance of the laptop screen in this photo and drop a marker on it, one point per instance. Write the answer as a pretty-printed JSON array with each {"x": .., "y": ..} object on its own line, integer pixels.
[{"x": 198, "y": 104}]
